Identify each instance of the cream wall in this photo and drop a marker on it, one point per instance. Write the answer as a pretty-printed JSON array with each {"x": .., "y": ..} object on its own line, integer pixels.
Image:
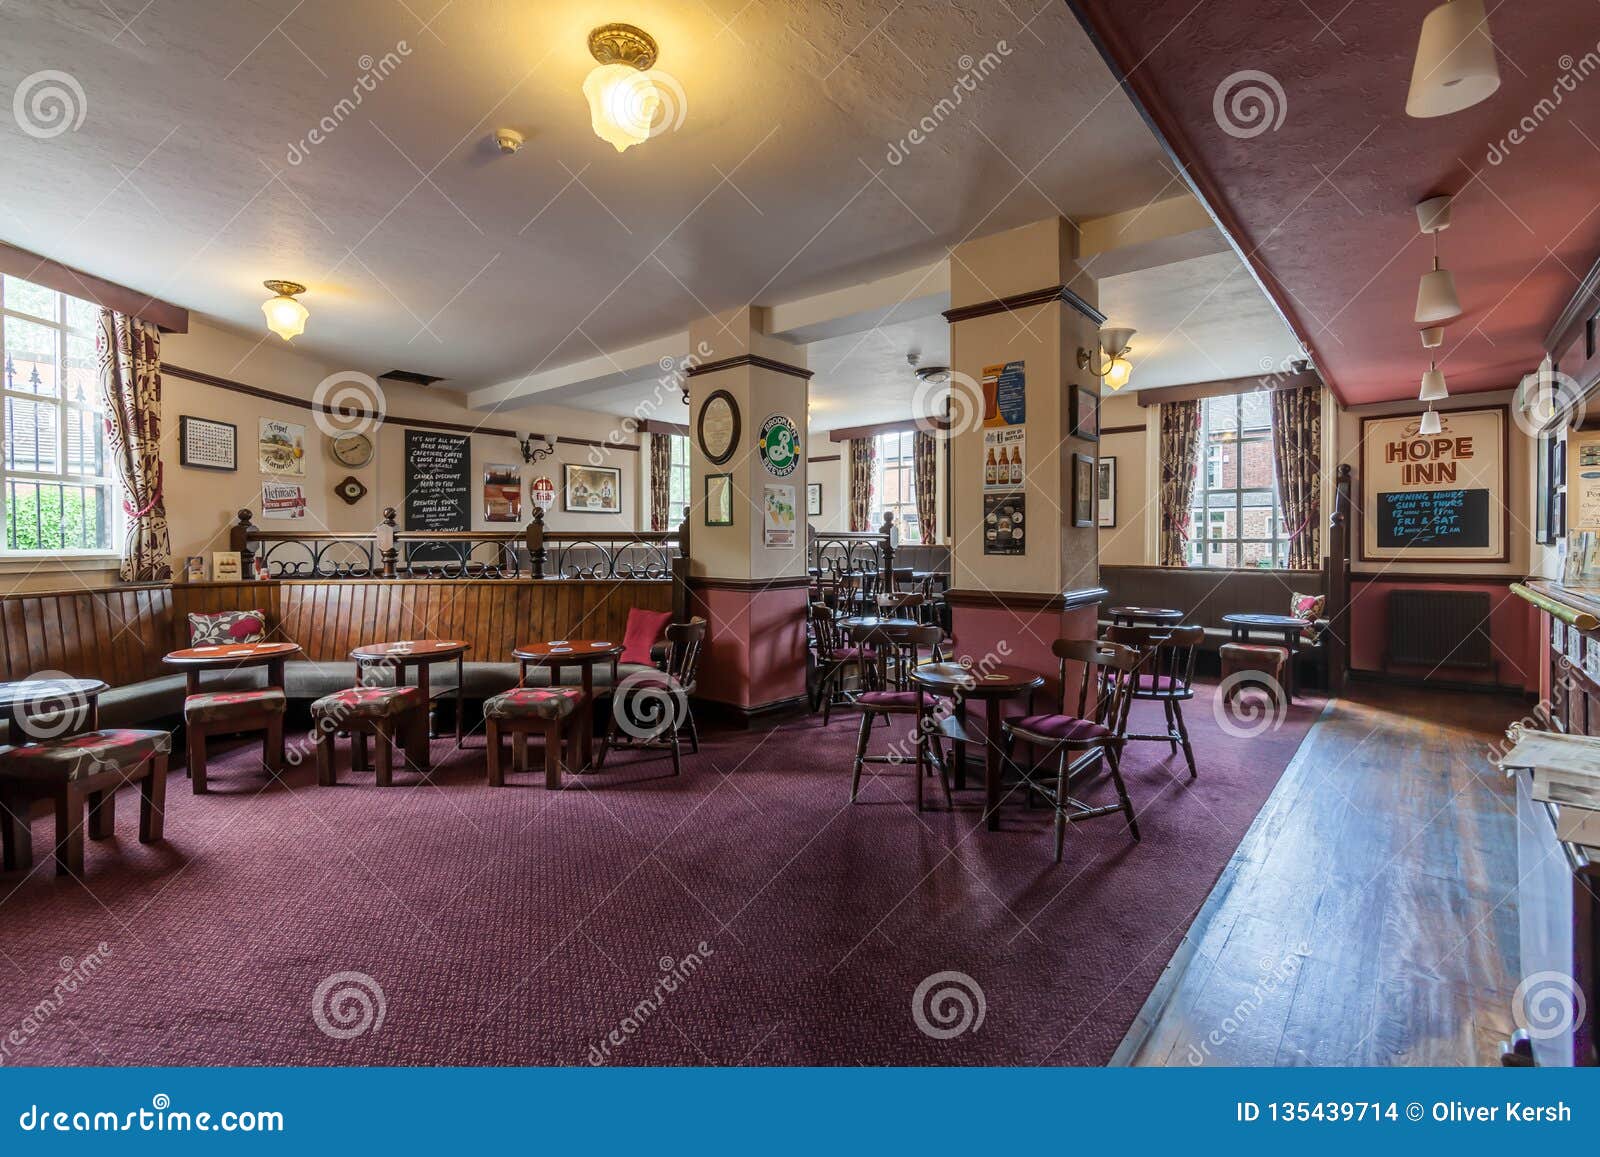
[
  {"x": 1130, "y": 542},
  {"x": 835, "y": 479}
]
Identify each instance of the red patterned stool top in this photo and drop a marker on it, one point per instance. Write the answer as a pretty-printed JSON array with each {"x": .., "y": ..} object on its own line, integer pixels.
[
  {"x": 215, "y": 706},
  {"x": 369, "y": 702},
  {"x": 533, "y": 703},
  {"x": 79, "y": 756}
]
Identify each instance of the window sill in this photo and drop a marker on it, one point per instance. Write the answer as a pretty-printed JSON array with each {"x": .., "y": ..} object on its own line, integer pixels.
[{"x": 11, "y": 564}]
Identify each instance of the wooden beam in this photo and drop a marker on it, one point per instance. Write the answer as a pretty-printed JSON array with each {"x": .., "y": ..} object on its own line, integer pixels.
[
  {"x": 1226, "y": 386},
  {"x": 932, "y": 425},
  {"x": 107, "y": 294},
  {"x": 652, "y": 426}
]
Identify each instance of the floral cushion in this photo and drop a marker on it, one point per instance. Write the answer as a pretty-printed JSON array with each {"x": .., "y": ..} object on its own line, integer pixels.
[
  {"x": 216, "y": 706},
  {"x": 80, "y": 756},
  {"x": 1309, "y": 608},
  {"x": 368, "y": 702},
  {"x": 227, "y": 627},
  {"x": 533, "y": 703},
  {"x": 1059, "y": 727}
]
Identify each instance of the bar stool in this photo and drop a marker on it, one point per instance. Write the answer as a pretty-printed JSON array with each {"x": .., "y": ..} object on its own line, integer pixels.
[
  {"x": 394, "y": 716},
  {"x": 525, "y": 710},
  {"x": 228, "y": 713}
]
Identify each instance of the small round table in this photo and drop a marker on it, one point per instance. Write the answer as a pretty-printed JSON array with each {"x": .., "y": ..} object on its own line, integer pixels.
[
  {"x": 993, "y": 685},
  {"x": 1286, "y": 625},
  {"x": 421, "y": 654},
  {"x": 582, "y": 653},
  {"x": 50, "y": 708},
  {"x": 1155, "y": 616},
  {"x": 193, "y": 660}
]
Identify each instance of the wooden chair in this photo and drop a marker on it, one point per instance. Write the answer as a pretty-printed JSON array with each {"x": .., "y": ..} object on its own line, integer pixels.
[
  {"x": 650, "y": 708},
  {"x": 835, "y": 660},
  {"x": 396, "y": 717},
  {"x": 1098, "y": 730},
  {"x": 897, "y": 649},
  {"x": 1166, "y": 676},
  {"x": 230, "y": 713},
  {"x": 523, "y": 711},
  {"x": 78, "y": 771}
]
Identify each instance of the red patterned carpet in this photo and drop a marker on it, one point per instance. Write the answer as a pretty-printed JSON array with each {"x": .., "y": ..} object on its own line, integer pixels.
[{"x": 741, "y": 914}]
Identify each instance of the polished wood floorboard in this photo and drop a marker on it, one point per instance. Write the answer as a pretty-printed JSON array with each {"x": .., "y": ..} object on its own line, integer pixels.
[{"x": 1369, "y": 915}]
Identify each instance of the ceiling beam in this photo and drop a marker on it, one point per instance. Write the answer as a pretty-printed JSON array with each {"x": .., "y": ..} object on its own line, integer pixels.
[{"x": 659, "y": 358}]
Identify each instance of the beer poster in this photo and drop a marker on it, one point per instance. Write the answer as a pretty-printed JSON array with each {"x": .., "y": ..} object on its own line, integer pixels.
[
  {"x": 1583, "y": 481},
  {"x": 1005, "y": 461},
  {"x": 1435, "y": 498},
  {"x": 1005, "y": 401}
]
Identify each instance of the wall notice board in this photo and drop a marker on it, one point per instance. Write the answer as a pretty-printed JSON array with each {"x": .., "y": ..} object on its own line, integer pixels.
[
  {"x": 1440, "y": 497},
  {"x": 438, "y": 488}
]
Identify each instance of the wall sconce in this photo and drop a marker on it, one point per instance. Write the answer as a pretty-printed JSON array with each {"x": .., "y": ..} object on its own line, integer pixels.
[
  {"x": 532, "y": 453},
  {"x": 286, "y": 317},
  {"x": 623, "y": 100},
  {"x": 1115, "y": 368}
]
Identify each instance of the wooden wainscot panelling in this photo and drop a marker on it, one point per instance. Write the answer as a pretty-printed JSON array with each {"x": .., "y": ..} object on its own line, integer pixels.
[{"x": 118, "y": 634}]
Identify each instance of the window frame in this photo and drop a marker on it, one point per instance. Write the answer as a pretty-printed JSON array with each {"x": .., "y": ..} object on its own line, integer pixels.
[
  {"x": 903, "y": 459},
  {"x": 1211, "y": 505},
  {"x": 678, "y": 469}
]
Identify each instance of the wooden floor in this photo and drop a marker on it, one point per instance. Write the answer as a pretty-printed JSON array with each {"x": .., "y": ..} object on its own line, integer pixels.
[{"x": 1369, "y": 915}]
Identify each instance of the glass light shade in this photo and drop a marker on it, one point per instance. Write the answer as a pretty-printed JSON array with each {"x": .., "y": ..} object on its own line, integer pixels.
[
  {"x": 1118, "y": 373},
  {"x": 623, "y": 104},
  {"x": 1433, "y": 386},
  {"x": 1455, "y": 66},
  {"x": 1436, "y": 298},
  {"x": 286, "y": 317},
  {"x": 1430, "y": 422}
]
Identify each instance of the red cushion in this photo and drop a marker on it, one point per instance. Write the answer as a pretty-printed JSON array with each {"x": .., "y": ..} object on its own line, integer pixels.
[
  {"x": 1059, "y": 726},
  {"x": 889, "y": 700},
  {"x": 1158, "y": 683},
  {"x": 643, "y": 630}
]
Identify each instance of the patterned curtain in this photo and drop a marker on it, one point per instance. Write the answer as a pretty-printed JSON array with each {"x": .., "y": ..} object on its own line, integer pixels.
[
  {"x": 1297, "y": 447},
  {"x": 660, "y": 479},
  {"x": 130, "y": 379},
  {"x": 863, "y": 455},
  {"x": 1180, "y": 465},
  {"x": 924, "y": 457}
]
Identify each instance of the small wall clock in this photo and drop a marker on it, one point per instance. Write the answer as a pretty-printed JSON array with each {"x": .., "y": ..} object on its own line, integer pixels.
[
  {"x": 352, "y": 449},
  {"x": 351, "y": 490}
]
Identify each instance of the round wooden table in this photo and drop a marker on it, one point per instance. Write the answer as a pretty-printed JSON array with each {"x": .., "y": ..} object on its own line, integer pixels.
[
  {"x": 1286, "y": 625},
  {"x": 48, "y": 708},
  {"x": 993, "y": 685},
  {"x": 421, "y": 654},
  {"x": 1154, "y": 616},
  {"x": 193, "y": 660},
  {"x": 581, "y": 653}
]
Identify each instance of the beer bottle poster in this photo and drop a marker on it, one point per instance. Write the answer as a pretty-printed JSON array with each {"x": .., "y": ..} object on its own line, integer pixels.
[
  {"x": 1005, "y": 401},
  {"x": 1005, "y": 461}
]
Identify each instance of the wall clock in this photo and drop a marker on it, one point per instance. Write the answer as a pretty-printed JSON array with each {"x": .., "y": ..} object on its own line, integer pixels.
[
  {"x": 351, "y": 490},
  {"x": 718, "y": 427},
  {"x": 352, "y": 449}
]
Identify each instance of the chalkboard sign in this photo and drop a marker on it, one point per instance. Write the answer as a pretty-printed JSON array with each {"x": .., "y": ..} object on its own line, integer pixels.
[
  {"x": 1434, "y": 518},
  {"x": 438, "y": 489}
]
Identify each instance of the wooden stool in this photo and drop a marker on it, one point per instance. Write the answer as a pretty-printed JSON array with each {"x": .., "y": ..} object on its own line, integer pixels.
[
  {"x": 1265, "y": 660},
  {"x": 520, "y": 711},
  {"x": 230, "y": 712},
  {"x": 73, "y": 771},
  {"x": 394, "y": 716}
]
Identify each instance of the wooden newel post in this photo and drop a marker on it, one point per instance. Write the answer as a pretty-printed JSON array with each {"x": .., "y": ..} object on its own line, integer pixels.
[
  {"x": 388, "y": 548},
  {"x": 679, "y": 564},
  {"x": 239, "y": 540},
  {"x": 1338, "y": 582},
  {"x": 534, "y": 537}
]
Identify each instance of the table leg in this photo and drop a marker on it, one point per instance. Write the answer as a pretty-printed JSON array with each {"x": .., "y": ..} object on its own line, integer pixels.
[
  {"x": 427, "y": 695},
  {"x": 586, "y": 718},
  {"x": 461, "y": 690},
  {"x": 992, "y": 764},
  {"x": 1291, "y": 643},
  {"x": 958, "y": 749},
  {"x": 192, "y": 679}
]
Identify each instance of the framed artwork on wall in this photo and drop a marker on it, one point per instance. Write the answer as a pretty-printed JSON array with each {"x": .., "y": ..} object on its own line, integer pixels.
[
  {"x": 1083, "y": 490},
  {"x": 206, "y": 444},
  {"x": 1085, "y": 414},
  {"x": 591, "y": 489},
  {"x": 813, "y": 499},
  {"x": 718, "y": 427},
  {"x": 1106, "y": 493},
  {"x": 719, "y": 499},
  {"x": 1436, "y": 497}
]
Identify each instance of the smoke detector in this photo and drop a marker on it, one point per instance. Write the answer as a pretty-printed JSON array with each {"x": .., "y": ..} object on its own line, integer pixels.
[{"x": 508, "y": 141}]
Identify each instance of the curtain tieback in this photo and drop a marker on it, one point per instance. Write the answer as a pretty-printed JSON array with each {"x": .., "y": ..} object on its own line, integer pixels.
[{"x": 155, "y": 497}]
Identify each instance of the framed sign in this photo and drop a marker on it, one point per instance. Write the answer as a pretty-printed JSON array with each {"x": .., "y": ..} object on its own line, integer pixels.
[
  {"x": 1085, "y": 414},
  {"x": 1005, "y": 394},
  {"x": 591, "y": 489},
  {"x": 1106, "y": 493},
  {"x": 813, "y": 499},
  {"x": 718, "y": 427},
  {"x": 1084, "y": 484},
  {"x": 206, "y": 444},
  {"x": 1004, "y": 519},
  {"x": 281, "y": 448},
  {"x": 438, "y": 490},
  {"x": 780, "y": 445},
  {"x": 1436, "y": 497},
  {"x": 719, "y": 499},
  {"x": 778, "y": 518},
  {"x": 502, "y": 492}
]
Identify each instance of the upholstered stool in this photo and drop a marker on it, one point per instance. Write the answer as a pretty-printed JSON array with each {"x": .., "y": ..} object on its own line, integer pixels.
[
  {"x": 1268, "y": 661},
  {"x": 73, "y": 771},
  {"x": 230, "y": 712},
  {"x": 522, "y": 710},
  {"x": 393, "y": 716}
]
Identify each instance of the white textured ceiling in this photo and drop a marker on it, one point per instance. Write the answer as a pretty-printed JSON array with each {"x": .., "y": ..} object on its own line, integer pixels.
[{"x": 427, "y": 250}]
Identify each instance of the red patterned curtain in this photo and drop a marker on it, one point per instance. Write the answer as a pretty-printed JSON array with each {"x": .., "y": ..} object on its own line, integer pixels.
[
  {"x": 863, "y": 455},
  {"x": 1180, "y": 465},
  {"x": 130, "y": 380},
  {"x": 925, "y": 459},
  {"x": 660, "y": 479},
  {"x": 1297, "y": 447}
]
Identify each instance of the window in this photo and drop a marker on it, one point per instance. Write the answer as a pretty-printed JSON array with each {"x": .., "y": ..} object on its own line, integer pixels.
[
  {"x": 678, "y": 481},
  {"x": 1235, "y": 520},
  {"x": 55, "y": 483},
  {"x": 894, "y": 484}
]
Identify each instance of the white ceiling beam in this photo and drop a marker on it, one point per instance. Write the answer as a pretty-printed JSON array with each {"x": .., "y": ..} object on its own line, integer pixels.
[
  {"x": 1160, "y": 233},
  {"x": 900, "y": 297},
  {"x": 566, "y": 384}
]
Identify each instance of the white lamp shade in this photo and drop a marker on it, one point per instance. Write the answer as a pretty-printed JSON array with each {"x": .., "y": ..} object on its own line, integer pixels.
[
  {"x": 1430, "y": 422},
  {"x": 1114, "y": 339},
  {"x": 1455, "y": 66},
  {"x": 1433, "y": 386},
  {"x": 623, "y": 104},
  {"x": 286, "y": 317},
  {"x": 1118, "y": 373},
  {"x": 1436, "y": 298}
]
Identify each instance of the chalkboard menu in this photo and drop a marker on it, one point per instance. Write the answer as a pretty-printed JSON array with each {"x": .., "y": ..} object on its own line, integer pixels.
[
  {"x": 1441, "y": 518},
  {"x": 438, "y": 488}
]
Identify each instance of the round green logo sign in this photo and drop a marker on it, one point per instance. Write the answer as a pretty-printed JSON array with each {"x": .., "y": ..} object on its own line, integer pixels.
[{"x": 780, "y": 446}]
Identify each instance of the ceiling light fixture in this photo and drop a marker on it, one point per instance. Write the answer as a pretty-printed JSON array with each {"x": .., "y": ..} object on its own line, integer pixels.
[
  {"x": 1434, "y": 388},
  {"x": 623, "y": 101},
  {"x": 1436, "y": 294},
  {"x": 1433, "y": 337},
  {"x": 286, "y": 317},
  {"x": 1455, "y": 66},
  {"x": 1115, "y": 368},
  {"x": 1430, "y": 422}
]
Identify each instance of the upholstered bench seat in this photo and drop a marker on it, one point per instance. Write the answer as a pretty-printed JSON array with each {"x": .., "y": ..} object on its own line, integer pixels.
[
  {"x": 220, "y": 706},
  {"x": 533, "y": 703}
]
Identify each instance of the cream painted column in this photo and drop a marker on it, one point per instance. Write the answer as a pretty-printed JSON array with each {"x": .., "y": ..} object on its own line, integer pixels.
[
  {"x": 1020, "y": 296},
  {"x": 751, "y": 587}
]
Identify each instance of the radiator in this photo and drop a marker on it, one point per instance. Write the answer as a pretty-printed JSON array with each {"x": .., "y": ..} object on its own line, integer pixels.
[{"x": 1440, "y": 629}]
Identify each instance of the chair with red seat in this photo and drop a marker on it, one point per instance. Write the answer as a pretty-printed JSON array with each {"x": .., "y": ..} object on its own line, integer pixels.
[
  {"x": 1166, "y": 676},
  {"x": 836, "y": 660},
  {"x": 1097, "y": 730},
  {"x": 897, "y": 654},
  {"x": 652, "y": 708}
]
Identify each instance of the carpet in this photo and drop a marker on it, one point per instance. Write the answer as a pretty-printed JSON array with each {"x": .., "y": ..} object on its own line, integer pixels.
[{"x": 743, "y": 913}]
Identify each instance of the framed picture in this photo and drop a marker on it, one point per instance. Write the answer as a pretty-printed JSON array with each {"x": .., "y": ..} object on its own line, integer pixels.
[
  {"x": 719, "y": 499},
  {"x": 1085, "y": 414},
  {"x": 1442, "y": 497},
  {"x": 226, "y": 566},
  {"x": 813, "y": 499},
  {"x": 591, "y": 489},
  {"x": 206, "y": 444},
  {"x": 1083, "y": 490},
  {"x": 502, "y": 492},
  {"x": 1106, "y": 492},
  {"x": 718, "y": 427},
  {"x": 281, "y": 448}
]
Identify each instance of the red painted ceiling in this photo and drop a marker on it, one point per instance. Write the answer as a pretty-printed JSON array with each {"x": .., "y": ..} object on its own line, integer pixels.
[{"x": 1322, "y": 204}]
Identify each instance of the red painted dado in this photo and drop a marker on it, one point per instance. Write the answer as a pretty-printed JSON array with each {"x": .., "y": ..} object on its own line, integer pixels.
[
  {"x": 1000, "y": 636},
  {"x": 1322, "y": 200},
  {"x": 1512, "y": 632},
  {"x": 755, "y": 652}
]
